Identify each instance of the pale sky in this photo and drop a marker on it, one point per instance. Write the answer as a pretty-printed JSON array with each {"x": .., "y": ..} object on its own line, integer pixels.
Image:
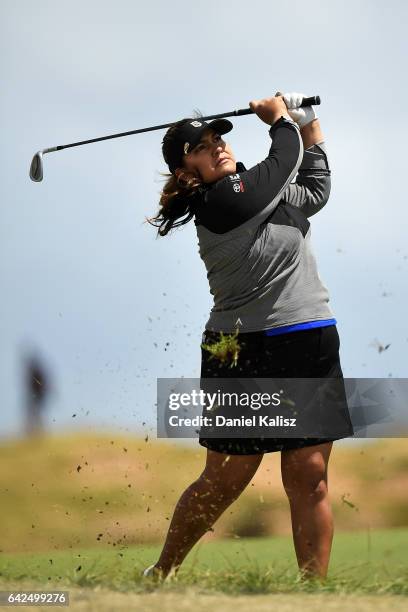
[{"x": 85, "y": 282}]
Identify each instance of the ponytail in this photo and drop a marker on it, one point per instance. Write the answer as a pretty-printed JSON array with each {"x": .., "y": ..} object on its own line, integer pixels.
[{"x": 176, "y": 203}]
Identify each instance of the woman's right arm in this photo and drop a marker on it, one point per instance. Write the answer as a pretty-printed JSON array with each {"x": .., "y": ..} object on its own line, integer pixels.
[{"x": 255, "y": 192}]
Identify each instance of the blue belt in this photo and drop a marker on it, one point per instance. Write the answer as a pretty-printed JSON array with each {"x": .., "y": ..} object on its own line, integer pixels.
[{"x": 276, "y": 331}]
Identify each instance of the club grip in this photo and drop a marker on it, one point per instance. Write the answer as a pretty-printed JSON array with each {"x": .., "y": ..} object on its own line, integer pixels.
[{"x": 311, "y": 101}]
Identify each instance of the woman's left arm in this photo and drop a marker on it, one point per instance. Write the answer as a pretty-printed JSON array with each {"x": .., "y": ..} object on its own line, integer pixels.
[{"x": 311, "y": 189}]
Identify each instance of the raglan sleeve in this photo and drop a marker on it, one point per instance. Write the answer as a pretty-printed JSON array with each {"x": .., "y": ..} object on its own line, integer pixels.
[
  {"x": 237, "y": 198},
  {"x": 311, "y": 189}
]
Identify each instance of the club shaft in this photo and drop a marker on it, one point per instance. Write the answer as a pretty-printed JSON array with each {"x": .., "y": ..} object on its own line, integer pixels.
[{"x": 313, "y": 100}]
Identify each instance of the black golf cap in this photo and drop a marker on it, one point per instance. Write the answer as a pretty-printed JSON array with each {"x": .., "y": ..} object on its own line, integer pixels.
[{"x": 183, "y": 136}]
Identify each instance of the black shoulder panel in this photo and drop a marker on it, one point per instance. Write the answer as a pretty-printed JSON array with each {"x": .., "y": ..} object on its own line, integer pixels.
[{"x": 286, "y": 214}]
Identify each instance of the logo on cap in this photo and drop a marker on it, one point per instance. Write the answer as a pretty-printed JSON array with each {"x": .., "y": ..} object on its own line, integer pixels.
[{"x": 196, "y": 124}]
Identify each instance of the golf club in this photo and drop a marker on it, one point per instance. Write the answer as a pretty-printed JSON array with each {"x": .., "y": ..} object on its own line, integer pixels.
[{"x": 36, "y": 168}]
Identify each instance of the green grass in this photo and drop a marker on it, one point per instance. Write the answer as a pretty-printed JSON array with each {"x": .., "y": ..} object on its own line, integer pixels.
[{"x": 361, "y": 563}]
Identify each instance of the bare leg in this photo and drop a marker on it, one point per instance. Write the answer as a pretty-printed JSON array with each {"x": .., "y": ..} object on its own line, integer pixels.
[
  {"x": 304, "y": 477},
  {"x": 202, "y": 503}
]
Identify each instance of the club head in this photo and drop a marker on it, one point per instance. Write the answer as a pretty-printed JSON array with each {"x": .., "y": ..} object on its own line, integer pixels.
[{"x": 36, "y": 168}]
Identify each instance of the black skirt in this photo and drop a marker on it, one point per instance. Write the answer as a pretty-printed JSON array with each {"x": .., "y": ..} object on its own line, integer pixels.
[{"x": 310, "y": 353}]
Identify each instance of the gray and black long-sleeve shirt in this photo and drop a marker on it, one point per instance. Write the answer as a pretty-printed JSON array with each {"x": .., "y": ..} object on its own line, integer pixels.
[{"x": 254, "y": 237}]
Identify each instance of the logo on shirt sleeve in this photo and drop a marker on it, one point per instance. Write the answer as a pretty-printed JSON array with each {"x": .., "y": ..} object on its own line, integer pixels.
[{"x": 237, "y": 184}]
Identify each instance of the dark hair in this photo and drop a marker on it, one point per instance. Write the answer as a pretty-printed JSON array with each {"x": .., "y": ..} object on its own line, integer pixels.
[{"x": 176, "y": 196}]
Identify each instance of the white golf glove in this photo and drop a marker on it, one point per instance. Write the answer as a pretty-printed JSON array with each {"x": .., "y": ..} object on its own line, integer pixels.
[{"x": 302, "y": 116}]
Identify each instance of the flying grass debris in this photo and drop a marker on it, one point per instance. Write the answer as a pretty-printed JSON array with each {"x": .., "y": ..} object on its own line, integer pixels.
[
  {"x": 347, "y": 502},
  {"x": 379, "y": 346},
  {"x": 226, "y": 349}
]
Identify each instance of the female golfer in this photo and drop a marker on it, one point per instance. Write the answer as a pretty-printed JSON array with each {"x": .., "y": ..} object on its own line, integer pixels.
[{"x": 254, "y": 239}]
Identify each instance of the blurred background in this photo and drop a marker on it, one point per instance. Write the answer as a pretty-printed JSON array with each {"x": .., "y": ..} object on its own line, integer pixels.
[{"x": 94, "y": 306}]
